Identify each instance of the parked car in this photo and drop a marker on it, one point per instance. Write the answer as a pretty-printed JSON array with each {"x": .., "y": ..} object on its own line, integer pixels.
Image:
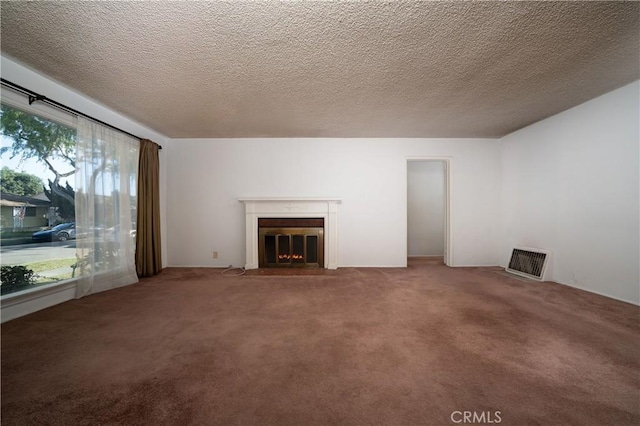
[
  {"x": 112, "y": 233},
  {"x": 62, "y": 232}
]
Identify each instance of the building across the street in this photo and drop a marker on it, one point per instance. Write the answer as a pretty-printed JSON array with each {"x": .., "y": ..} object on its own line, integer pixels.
[{"x": 19, "y": 211}]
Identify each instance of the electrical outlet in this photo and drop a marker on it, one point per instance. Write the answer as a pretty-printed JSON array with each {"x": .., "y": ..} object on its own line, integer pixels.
[{"x": 215, "y": 254}]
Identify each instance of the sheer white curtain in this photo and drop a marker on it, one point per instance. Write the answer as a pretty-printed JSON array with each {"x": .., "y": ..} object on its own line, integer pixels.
[{"x": 106, "y": 180}]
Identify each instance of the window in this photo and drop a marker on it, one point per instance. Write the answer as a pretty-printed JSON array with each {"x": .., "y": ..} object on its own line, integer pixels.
[
  {"x": 37, "y": 199},
  {"x": 59, "y": 166}
]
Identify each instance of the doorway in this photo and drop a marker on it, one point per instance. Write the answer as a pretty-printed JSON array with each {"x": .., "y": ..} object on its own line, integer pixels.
[{"x": 428, "y": 209}]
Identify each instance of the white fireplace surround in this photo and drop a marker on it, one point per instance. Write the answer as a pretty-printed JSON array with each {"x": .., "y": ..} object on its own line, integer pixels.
[{"x": 269, "y": 207}]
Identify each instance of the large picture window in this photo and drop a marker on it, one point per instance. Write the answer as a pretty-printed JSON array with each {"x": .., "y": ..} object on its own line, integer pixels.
[
  {"x": 68, "y": 200},
  {"x": 37, "y": 200}
]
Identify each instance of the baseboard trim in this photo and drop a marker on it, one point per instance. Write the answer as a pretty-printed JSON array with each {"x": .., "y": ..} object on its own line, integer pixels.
[{"x": 599, "y": 293}]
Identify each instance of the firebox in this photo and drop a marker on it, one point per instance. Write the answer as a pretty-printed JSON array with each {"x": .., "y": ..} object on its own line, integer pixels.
[{"x": 291, "y": 242}]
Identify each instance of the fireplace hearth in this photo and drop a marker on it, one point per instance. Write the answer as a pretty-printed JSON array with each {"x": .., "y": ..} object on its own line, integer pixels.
[{"x": 291, "y": 242}]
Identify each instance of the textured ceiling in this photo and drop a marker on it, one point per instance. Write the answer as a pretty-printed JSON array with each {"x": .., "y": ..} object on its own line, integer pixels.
[{"x": 330, "y": 69}]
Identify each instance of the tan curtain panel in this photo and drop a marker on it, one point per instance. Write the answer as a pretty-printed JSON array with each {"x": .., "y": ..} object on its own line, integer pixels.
[{"x": 148, "y": 250}]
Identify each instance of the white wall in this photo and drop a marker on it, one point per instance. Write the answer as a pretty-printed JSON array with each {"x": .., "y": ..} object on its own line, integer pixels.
[
  {"x": 207, "y": 176},
  {"x": 571, "y": 185},
  {"x": 425, "y": 208}
]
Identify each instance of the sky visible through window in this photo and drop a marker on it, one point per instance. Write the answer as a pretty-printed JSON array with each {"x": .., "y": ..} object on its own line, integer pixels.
[{"x": 34, "y": 167}]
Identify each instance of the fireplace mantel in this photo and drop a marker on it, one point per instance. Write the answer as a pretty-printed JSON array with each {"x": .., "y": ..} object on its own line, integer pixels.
[{"x": 264, "y": 207}]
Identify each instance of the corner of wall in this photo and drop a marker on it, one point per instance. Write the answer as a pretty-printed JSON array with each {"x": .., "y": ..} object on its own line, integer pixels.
[{"x": 571, "y": 185}]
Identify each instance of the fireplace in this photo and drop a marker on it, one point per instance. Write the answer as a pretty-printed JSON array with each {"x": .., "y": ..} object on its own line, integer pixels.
[
  {"x": 293, "y": 234},
  {"x": 291, "y": 242}
]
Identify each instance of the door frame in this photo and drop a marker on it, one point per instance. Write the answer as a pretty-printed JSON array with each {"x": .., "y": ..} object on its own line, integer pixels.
[{"x": 448, "y": 223}]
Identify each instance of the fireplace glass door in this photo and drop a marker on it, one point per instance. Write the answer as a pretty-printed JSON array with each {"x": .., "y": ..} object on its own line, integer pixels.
[{"x": 287, "y": 247}]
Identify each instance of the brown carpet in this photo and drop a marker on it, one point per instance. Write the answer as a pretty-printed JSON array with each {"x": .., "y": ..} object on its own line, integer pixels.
[{"x": 355, "y": 347}]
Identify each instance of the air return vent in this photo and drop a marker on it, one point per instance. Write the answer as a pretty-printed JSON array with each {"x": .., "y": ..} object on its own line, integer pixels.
[{"x": 528, "y": 262}]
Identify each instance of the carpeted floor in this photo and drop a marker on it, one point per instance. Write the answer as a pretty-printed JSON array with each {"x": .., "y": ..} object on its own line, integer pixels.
[{"x": 357, "y": 346}]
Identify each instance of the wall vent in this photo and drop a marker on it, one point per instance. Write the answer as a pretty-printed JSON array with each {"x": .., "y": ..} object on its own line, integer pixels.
[{"x": 528, "y": 262}]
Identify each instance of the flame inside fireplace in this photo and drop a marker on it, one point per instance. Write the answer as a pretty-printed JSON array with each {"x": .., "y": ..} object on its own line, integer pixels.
[{"x": 290, "y": 257}]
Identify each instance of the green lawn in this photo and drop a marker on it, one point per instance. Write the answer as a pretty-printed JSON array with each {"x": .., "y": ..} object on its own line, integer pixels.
[
  {"x": 48, "y": 265},
  {"x": 49, "y": 280}
]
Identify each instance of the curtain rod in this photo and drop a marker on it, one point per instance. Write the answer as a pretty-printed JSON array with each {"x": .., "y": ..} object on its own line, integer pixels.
[{"x": 34, "y": 97}]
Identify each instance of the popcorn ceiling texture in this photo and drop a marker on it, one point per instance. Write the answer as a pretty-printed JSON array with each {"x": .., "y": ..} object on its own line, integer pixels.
[{"x": 330, "y": 69}]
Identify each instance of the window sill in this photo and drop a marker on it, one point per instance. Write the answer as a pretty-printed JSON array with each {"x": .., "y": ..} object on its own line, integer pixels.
[{"x": 27, "y": 301}]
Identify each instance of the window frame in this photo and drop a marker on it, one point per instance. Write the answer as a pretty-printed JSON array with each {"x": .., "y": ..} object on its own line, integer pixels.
[
  {"x": 46, "y": 111},
  {"x": 23, "y": 302}
]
